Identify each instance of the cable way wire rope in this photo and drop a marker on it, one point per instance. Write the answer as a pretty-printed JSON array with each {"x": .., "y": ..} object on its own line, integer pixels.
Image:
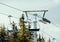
[
  {"x": 48, "y": 34},
  {"x": 55, "y": 25},
  {"x": 10, "y": 6}
]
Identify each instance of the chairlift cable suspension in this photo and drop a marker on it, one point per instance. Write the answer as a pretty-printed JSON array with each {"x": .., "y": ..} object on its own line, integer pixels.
[{"x": 10, "y": 6}]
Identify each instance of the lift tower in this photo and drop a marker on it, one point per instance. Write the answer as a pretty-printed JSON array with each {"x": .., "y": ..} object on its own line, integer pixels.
[{"x": 35, "y": 22}]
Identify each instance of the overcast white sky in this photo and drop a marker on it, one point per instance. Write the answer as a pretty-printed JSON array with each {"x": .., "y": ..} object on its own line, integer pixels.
[{"x": 53, "y": 7}]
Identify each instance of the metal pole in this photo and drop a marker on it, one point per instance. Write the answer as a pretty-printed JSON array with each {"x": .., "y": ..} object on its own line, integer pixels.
[{"x": 35, "y": 26}]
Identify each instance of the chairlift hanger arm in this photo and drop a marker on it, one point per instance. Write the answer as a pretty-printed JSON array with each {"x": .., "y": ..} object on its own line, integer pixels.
[
  {"x": 26, "y": 15},
  {"x": 35, "y": 11},
  {"x": 44, "y": 14}
]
